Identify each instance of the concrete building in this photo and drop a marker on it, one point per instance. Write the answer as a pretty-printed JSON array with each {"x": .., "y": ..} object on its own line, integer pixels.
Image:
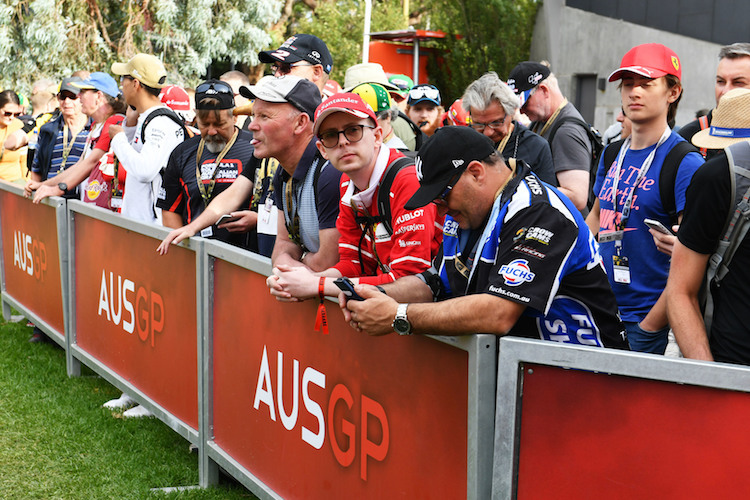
[{"x": 584, "y": 41}]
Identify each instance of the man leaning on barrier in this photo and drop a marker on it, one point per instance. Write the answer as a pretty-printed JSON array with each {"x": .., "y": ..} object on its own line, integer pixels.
[{"x": 517, "y": 257}]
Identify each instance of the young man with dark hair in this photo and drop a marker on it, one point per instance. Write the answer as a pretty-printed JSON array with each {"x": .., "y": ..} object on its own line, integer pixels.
[
  {"x": 143, "y": 150},
  {"x": 630, "y": 191}
]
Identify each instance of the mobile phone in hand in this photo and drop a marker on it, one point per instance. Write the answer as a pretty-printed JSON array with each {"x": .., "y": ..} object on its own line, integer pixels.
[
  {"x": 657, "y": 226},
  {"x": 346, "y": 286},
  {"x": 226, "y": 218}
]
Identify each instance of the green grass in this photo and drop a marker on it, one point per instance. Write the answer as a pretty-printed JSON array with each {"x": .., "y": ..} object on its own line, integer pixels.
[{"x": 56, "y": 442}]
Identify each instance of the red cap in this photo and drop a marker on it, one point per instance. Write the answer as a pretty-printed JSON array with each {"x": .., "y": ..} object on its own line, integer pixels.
[
  {"x": 345, "y": 102},
  {"x": 331, "y": 87},
  {"x": 175, "y": 98},
  {"x": 456, "y": 115},
  {"x": 652, "y": 60}
]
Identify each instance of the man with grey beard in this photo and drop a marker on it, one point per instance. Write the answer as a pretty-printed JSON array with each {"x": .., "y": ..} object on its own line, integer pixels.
[{"x": 204, "y": 166}]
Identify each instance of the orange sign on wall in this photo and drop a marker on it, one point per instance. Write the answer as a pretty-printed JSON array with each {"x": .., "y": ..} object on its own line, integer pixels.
[
  {"x": 136, "y": 312},
  {"x": 31, "y": 257},
  {"x": 342, "y": 415}
]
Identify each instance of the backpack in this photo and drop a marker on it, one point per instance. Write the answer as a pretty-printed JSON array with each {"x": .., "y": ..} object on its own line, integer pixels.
[
  {"x": 169, "y": 114},
  {"x": 736, "y": 225},
  {"x": 667, "y": 176},
  {"x": 384, "y": 195},
  {"x": 595, "y": 138},
  {"x": 419, "y": 136}
]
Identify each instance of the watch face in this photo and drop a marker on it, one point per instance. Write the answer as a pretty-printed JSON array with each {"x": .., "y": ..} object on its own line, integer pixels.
[{"x": 401, "y": 326}]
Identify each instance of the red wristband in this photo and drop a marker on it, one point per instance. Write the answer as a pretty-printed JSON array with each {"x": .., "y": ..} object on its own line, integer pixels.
[{"x": 321, "y": 321}]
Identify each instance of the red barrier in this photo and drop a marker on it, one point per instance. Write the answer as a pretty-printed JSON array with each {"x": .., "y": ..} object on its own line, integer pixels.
[
  {"x": 360, "y": 417},
  {"x": 588, "y": 435},
  {"x": 136, "y": 312},
  {"x": 31, "y": 257}
]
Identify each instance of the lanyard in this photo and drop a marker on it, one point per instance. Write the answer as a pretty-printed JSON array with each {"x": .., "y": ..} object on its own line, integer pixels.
[
  {"x": 291, "y": 212},
  {"x": 66, "y": 148},
  {"x": 645, "y": 166},
  {"x": 206, "y": 193},
  {"x": 552, "y": 118}
]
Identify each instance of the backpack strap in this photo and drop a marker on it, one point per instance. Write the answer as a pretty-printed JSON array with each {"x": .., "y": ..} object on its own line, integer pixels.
[
  {"x": 169, "y": 114},
  {"x": 384, "y": 190},
  {"x": 610, "y": 153},
  {"x": 668, "y": 177},
  {"x": 419, "y": 136}
]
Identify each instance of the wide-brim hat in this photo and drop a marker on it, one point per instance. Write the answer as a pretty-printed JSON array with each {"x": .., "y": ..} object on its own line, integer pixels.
[
  {"x": 730, "y": 122},
  {"x": 367, "y": 73}
]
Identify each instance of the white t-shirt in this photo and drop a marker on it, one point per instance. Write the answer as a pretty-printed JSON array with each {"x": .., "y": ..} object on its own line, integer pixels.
[{"x": 144, "y": 161}]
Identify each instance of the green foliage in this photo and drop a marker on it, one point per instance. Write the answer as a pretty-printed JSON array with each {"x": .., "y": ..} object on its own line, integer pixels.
[
  {"x": 495, "y": 35},
  {"x": 53, "y": 38},
  {"x": 340, "y": 23}
]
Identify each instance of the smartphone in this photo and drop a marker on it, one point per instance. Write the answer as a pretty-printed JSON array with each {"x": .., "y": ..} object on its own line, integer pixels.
[
  {"x": 226, "y": 218},
  {"x": 657, "y": 226},
  {"x": 346, "y": 286}
]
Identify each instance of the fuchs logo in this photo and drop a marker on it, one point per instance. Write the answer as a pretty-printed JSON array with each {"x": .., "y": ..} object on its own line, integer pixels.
[
  {"x": 516, "y": 272},
  {"x": 535, "y": 78},
  {"x": 457, "y": 163},
  {"x": 418, "y": 164},
  {"x": 676, "y": 63}
]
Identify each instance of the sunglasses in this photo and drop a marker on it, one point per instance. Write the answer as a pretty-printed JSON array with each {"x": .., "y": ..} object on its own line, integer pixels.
[
  {"x": 214, "y": 88},
  {"x": 286, "y": 68},
  {"x": 8, "y": 114},
  {"x": 353, "y": 133},
  {"x": 67, "y": 95},
  {"x": 424, "y": 92}
]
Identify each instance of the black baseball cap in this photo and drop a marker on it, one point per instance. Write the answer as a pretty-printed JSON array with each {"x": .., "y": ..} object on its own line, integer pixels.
[
  {"x": 214, "y": 89},
  {"x": 301, "y": 47},
  {"x": 525, "y": 77},
  {"x": 442, "y": 157}
]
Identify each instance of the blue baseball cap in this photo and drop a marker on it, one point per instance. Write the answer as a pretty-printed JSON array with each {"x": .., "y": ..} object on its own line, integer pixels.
[
  {"x": 99, "y": 81},
  {"x": 424, "y": 93}
]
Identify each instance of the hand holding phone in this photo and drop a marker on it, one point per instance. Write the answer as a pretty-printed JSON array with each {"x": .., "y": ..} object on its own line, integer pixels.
[
  {"x": 657, "y": 226},
  {"x": 226, "y": 218},
  {"x": 346, "y": 286}
]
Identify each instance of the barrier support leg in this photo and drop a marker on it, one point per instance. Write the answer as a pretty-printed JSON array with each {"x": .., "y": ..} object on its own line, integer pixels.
[
  {"x": 6, "y": 311},
  {"x": 208, "y": 470}
]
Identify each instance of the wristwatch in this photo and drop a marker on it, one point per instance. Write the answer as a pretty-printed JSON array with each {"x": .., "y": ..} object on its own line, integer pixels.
[
  {"x": 62, "y": 187},
  {"x": 400, "y": 324}
]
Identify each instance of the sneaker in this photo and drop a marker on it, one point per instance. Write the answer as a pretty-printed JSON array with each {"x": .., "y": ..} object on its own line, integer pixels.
[
  {"x": 137, "y": 412},
  {"x": 37, "y": 337},
  {"x": 124, "y": 401}
]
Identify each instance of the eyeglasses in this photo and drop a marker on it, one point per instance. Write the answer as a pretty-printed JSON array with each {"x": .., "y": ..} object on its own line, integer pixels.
[
  {"x": 440, "y": 200},
  {"x": 8, "y": 114},
  {"x": 67, "y": 95},
  {"x": 353, "y": 133},
  {"x": 494, "y": 125},
  {"x": 428, "y": 92},
  {"x": 286, "y": 68},
  {"x": 214, "y": 88}
]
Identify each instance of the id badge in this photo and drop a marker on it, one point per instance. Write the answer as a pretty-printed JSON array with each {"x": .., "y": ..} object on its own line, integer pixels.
[
  {"x": 621, "y": 269},
  {"x": 207, "y": 232},
  {"x": 115, "y": 202},
  {"x": 611, "y": 236}
]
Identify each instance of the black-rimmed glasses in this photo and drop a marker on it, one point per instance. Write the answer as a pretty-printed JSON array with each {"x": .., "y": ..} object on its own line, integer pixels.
[
  {"x": 494, "y": 125},
  {"x": 353, "y": 133}
]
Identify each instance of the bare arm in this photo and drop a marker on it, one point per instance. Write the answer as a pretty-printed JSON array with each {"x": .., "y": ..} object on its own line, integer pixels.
[
  {"x": 171, "y": 219},
  {"x": 685, "y": 279},
  {"x": 224, "y": 203},
  {"x": 476, "y": 313},
  {"x": 16, "y": 140},
  {"x": 592, "y": 220},
  {"x": 71, "y": 176},
  {"x": 575, "y": 185}
]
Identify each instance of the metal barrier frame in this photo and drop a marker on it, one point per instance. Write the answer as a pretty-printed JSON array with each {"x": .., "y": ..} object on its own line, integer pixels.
[
  {"x": 514, "y": 352},
  {"x": 482, "y": 351},
  {"x": 76, "y": 208},
  {"x": 8, "y": 301}
]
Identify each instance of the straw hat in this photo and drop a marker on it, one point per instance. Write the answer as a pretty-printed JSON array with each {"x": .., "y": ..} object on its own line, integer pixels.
[
  {"x": 366, "y": 73},
  {"x": 730, "y": 122}
]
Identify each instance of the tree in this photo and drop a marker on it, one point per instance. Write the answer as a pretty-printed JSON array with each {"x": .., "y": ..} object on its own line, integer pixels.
[
  {"x": 53, "y": 38},
  {"x": 493, "y": 35}
]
